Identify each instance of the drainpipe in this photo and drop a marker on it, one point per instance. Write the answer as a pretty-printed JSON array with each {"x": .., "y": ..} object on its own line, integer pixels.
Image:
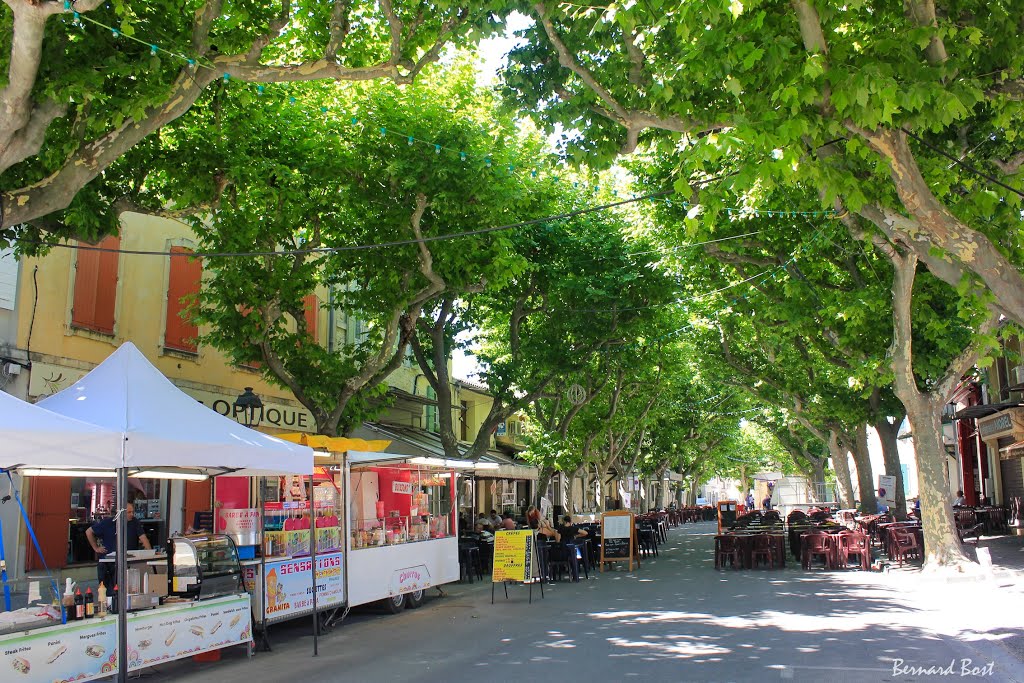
[{"x": 330, "y": 319}]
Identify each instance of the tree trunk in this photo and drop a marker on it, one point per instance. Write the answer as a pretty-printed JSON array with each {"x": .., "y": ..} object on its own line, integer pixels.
[
  {"x": 841, "y": 465},
  {"x": 865, "y": 475},
  {"x": 941, "y": 541},
  {"x": 602, "y": 493},
  {"x": 817, "y": 477},
  {"x": 887, "y": 433},
  {"x": 924, "y": 411},
  {"x": 544, "y": 475}
]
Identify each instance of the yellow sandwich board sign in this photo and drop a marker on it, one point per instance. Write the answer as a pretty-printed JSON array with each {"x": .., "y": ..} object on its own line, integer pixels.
[{"x": 513, "y": 556}]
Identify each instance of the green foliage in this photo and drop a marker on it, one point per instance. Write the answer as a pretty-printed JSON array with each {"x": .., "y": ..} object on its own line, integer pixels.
[{"x": 321, "y": 189}]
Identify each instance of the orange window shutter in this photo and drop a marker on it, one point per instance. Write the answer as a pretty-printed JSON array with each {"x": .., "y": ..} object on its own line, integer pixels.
[
  {"x": 106, "y": 289},
  {"x": 96, "y": 286},
  {"x": 312, "y": 306},
  {"x": 182, "y": 287}
]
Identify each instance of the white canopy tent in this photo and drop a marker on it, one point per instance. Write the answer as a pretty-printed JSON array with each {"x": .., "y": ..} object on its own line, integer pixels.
[
  {"x": 162, "y": 427},
  {"x": 35, "y": 437}
]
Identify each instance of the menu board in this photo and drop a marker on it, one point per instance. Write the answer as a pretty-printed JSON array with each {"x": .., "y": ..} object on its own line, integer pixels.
[
  {"x": 618, "y": 526},
  {"x": 87, "y": 650},
  {"x": 617, "y": 538},
  {"x": 289, "y": 585},
  {"x": 513, "y": 556}
]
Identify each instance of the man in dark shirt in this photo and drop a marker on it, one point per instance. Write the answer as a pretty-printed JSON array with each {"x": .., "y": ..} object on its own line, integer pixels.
[
  {"x": 103, "y": 538},
  {"x": 568, "y": 531}
]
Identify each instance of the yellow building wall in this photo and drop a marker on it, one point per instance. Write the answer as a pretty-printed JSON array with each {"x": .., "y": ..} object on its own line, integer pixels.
[
  {"x": 63, "y": 353},
  {"x": 140, "y": 312}
]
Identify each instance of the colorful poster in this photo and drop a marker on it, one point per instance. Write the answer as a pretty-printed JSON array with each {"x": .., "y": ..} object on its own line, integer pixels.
[
  {"x": 886, "y": 490},
  {"x": 87, "y": 650},
  {"x": 513, "y": 556},
  {"x": 289, "y": 586}
]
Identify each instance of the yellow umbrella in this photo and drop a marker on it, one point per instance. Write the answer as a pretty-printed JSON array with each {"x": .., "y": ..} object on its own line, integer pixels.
[{"x": 335, "y": 444}]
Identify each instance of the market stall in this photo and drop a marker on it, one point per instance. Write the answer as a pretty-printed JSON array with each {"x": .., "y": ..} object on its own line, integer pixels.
[
  {"x": 127, "y": 396},
  {"x": 401, "y": 529},
  {"x": 284, "y": 526}
]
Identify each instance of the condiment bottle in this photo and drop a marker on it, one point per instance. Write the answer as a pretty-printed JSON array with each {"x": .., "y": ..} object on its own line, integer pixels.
[
  {"x": 103, "y": 598},
  {"x": 68, "y": 601},
  {"x": 113, "y": 600},
  {"x": 79, "y": 604},
  {"x": 90, "y": 606}
]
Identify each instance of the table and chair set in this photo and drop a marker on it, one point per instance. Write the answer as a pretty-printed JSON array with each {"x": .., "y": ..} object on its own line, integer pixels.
[{"x": 574, "y": 558}]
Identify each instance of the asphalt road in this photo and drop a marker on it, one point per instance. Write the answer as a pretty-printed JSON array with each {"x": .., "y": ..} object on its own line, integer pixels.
[{"x": 675, "y": 619}]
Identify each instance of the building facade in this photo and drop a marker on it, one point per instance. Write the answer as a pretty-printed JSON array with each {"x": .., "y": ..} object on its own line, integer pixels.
[{"x": 65, "y": 312}]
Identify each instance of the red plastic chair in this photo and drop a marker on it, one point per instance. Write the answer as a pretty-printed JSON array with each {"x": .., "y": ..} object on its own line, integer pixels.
[
  {"x": 854, "y": 545},
  {"x": 903, "y": 545},
  {"x": 816, "y": 544},
  {"x": 727, "y": 548},
  {"x": 762, "y": 548}
]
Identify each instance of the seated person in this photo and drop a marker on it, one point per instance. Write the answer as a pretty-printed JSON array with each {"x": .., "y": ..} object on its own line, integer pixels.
[
  {"x": 496, "y": 519},
  {"x": 960, "y": 501},
  {"x": 508, "y": 523},
  {"x": 485, "y": 535},
  {"x": 569, "y": 531},
  {"x": 544, "y": 528}
]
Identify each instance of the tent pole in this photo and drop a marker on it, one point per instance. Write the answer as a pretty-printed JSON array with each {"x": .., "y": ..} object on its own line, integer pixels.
[
  {"x": 122, "y": 575},
  {"x": 312, "y": 557}
]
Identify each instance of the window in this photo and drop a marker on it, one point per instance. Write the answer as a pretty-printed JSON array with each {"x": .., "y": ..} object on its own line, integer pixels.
[
  {"x": 312, "y": 307},
  {"x": 182, "y": 287},
  {"x": 8, "y": 279},
  {"x": 96, "y": 286},
  {"x": 433, "y": 420}
]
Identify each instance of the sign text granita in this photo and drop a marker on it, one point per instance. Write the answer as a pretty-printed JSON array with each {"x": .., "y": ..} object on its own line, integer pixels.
[{"x": 964, "y": 667}]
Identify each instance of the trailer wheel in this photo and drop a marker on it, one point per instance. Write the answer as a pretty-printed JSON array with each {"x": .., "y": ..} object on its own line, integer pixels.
[
  {"x": 414, "y": 599},
  {"x": 394, "y": 604}
]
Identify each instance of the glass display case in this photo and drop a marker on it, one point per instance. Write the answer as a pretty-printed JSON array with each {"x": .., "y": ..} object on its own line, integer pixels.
[
  {"x": 399, "y": 504},
  {"x": 203, "y": 566},
  {"x": 290, "y": 510}
]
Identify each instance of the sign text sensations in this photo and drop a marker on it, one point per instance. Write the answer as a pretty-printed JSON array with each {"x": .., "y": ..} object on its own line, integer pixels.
[{"x": 289, "y": 586}]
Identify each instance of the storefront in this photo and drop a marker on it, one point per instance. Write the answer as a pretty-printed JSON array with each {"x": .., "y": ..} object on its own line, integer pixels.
[
  {"x": 62, "y": 508},
  {"x": 1002, "y": 434}
]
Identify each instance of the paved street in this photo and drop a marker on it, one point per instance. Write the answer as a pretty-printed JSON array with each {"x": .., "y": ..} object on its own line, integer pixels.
[{"x": 676, "y": 619}]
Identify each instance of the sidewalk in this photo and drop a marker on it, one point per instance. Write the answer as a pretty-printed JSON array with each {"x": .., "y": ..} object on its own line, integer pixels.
[{"x": 675, "y": 619}]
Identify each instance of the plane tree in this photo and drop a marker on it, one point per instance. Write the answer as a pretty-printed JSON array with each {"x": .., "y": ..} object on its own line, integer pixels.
[
  {"x": 358, "y": 206},
  {"x": 84, "y": 83},
  {"x": 906, "y": 116}
]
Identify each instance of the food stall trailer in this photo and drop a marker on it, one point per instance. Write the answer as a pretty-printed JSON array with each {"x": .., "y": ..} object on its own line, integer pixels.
[
  {"x": 127, "y": 401},
  {"x": 402, "y": 534},
  {"x": 385, "y": 532}
]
